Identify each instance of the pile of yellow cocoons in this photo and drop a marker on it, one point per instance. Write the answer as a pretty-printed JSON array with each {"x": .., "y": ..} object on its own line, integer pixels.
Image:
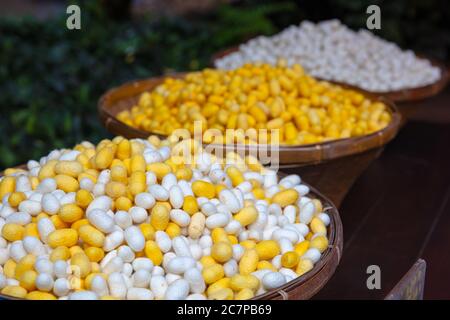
[
  {"x": 127, "y": 219},
  {"x": 293, "y": 107}
]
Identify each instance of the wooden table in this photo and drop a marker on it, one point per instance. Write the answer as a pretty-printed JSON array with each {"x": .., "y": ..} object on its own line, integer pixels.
[{"x": 399, "y": 210}]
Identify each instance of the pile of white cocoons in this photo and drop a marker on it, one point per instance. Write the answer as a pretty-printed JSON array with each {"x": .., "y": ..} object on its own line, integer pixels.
[
  {"x": 329, "y": 50},
  {"x": 132, "y": 219}
]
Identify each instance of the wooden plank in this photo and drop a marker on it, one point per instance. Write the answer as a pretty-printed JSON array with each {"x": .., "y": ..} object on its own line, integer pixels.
[
  {"x": 437, "y": 284},
  {"x": 411, "y": 285},
  {"x": 388, "y": 215}
]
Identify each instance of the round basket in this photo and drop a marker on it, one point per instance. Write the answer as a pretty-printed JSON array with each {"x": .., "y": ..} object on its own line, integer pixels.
[
  {"x": 404, "y": 95},
  {"x": 343, "y": 160},
  {"x": 126, "y": 96},
  {"x": 307, "y": 285}
]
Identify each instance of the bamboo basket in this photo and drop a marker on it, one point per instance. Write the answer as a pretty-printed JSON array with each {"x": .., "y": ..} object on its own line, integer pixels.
[
  {"x": 330, "y": 166},
  {"x": 398, "y": 96},
  {"x": 307, "y": 285}
]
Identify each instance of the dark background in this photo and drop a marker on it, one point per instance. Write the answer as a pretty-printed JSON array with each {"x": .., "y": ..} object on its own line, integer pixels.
[{"x": 52, "y": 77}]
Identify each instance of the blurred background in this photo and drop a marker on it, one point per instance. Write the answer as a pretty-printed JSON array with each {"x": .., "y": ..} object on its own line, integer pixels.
[{"x": 52, "y": 77}]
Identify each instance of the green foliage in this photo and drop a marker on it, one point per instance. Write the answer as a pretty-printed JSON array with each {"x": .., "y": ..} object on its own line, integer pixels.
[{"x": 51, "y": 77}]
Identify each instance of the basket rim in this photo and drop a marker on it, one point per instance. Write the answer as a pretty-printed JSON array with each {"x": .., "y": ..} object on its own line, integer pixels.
[
  {"x": 398, "y": 96},
  {"x": 335, "y": 238},
  {"x": 318, "y": 152}
]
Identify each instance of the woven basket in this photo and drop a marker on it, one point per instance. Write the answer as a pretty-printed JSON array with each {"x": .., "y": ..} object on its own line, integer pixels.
[
  {"x": 340, "y": 158},
  {"x": 307, "y": 285},
  {"x": 398, "y": 96}
]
